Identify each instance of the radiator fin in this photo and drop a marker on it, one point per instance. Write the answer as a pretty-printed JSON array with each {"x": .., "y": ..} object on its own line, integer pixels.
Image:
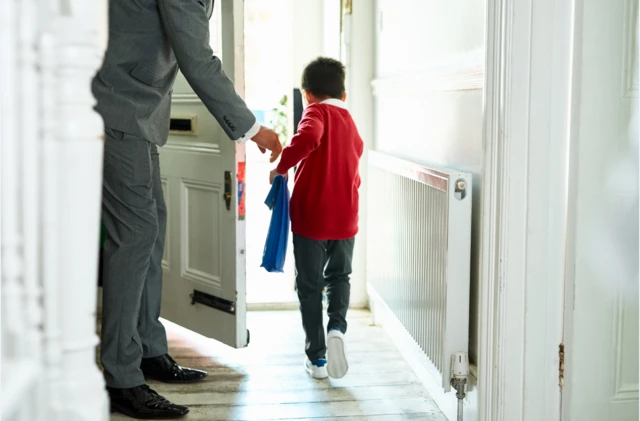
[{"x": 413, "y": 219}]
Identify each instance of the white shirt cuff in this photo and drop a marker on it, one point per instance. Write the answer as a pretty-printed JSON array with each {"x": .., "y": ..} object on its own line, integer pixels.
[{"x": 252, "y": 132}]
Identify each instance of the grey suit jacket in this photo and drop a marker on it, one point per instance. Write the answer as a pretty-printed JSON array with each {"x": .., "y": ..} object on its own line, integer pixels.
[{"x": 148, "y": 41}]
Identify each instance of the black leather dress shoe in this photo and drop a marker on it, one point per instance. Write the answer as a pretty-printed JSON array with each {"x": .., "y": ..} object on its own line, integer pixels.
[
  {"x": 165, "y": 369},
  {"x": 142, "y": 402}
]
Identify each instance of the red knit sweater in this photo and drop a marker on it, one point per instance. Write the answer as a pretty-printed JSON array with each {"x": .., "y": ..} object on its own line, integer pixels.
[{"x": 327, "y": 150}]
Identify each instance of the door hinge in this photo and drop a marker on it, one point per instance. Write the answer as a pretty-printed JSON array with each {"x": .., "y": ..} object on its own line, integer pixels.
[
  {"x": 561, "y": 365},
  {"x": 227, "y": 189}
]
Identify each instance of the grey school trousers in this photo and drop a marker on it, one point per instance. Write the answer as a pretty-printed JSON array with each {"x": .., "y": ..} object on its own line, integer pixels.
[
  {"x": 134, "y": 215},
  {"x": 320, "y": 265}
]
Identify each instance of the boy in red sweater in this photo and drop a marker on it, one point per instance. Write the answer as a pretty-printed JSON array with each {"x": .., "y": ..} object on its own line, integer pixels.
[{"x": 324, "y": 212}]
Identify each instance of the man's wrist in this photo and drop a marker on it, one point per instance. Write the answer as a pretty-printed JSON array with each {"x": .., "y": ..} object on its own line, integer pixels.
[{"x": 251, "y": 132}]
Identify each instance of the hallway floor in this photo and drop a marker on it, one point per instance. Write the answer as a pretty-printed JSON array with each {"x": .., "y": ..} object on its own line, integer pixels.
[{"x": 266, "y": 381}]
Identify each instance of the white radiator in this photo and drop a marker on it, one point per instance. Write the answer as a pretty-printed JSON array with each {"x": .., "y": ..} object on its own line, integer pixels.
[{"x": 418, "y": 252}]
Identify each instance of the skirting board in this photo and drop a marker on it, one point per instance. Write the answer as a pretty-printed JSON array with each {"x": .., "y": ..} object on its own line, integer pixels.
[
  {"x": 272, "y": 306},
  {"x": 422, "y": 367},
  {"x": 294, "y": 306}
]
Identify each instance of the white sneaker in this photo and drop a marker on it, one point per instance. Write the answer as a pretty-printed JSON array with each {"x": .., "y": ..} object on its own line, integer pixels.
[
  {"x": 316, "y": 369},
  {"x": 338, "y": 365}
]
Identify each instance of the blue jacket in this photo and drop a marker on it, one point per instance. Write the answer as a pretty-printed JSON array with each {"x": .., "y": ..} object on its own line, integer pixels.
[{"x": 275, "y": 248}]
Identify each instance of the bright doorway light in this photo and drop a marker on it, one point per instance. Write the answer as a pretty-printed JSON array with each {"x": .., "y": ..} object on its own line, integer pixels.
[{"x": 268, "y": 78}]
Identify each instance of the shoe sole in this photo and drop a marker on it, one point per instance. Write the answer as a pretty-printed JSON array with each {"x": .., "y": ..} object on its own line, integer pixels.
[
  {"x": 149, "y": 377},
  {"x": 124, "y": 411},
  {"x": 337, "y": 364}
]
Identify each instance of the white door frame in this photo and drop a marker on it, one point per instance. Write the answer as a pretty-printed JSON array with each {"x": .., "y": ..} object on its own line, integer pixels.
[
  {"x": 527, "y": 115},
  {"x": 236, "y": 8}
]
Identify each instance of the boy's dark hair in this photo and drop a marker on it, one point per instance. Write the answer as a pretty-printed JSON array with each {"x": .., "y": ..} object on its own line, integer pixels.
[{"x": 324, "y": 78}]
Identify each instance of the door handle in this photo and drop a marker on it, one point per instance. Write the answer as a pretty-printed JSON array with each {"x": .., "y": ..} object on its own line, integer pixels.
[{"x": 227, "y": 189}]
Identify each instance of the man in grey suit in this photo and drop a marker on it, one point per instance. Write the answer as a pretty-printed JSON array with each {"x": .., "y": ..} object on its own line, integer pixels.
[{"x": 148, "y": 41}]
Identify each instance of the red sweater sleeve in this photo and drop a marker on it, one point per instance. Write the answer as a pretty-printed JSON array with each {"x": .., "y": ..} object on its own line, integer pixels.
[{"x": 307, "y": 140}]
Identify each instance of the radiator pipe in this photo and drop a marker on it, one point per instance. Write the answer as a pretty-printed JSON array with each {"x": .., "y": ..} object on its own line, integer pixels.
[{"x": 459, "y": 385}]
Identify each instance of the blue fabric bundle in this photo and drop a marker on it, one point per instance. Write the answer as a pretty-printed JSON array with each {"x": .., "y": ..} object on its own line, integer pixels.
[{"x": 275, "y": 248}]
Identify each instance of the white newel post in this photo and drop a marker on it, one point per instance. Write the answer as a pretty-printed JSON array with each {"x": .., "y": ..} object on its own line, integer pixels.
[
  {"x": 50, "y": 173},
  {"x": 50, "y": 232},
  {"x": 79, "y": 166}
]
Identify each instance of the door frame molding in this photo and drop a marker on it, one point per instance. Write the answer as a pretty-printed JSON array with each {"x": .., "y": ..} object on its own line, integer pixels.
[
  {"x": 572, "y": 211},
  {"x": 234, "y": 40},
  {"x": 527, "y": 103}
]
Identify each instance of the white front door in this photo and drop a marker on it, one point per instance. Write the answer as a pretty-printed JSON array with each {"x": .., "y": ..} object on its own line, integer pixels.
[
  {"x": 601, "y": 335},
  {"x": 202, "y": 174}
]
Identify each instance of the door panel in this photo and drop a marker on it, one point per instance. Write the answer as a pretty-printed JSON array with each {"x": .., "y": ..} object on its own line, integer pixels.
[
  {"x": 204, "y": 273},
  {"x": 201, "y": 233},
  {"x": 602, "y": 310},
  {"x": 624, "y": 390}
]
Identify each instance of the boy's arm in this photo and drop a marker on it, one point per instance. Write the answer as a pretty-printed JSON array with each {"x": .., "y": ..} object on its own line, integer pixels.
[{"x": 307, "y": 139}]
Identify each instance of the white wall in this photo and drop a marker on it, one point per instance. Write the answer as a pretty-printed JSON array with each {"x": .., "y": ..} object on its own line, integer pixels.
[
  {"x": 428, "y": 89},
  {"x": 103, "y": 25},
  {"x": 414, "y": 35},
  {"x": 316, "y": 32},
  {"x": 331, "y": 41},
  {"x": 359, "y": 56},
  {"x": 307, "y": 36}
]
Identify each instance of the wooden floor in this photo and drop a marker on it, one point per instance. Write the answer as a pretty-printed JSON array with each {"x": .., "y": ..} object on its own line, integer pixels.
[{"x": 266, "y": 381}]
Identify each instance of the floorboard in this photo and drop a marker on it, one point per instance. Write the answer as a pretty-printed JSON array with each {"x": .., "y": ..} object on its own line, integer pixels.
[{"x": 266, "y": 381}]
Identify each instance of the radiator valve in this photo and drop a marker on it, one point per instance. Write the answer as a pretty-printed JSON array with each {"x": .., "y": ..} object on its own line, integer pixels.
[
  {"x": 459, "y": 366},
  {"x": 459, "y": 374},
  {"x": 460, "y": 189}
]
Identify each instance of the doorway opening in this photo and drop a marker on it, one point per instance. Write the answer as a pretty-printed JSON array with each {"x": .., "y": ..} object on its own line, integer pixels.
[{"x": 268, "y": 92}]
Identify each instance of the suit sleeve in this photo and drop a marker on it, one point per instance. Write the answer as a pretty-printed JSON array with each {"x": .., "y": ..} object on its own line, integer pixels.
[
  {"x": 187, "y": 25},
  {"x": 307, "y": 140}
]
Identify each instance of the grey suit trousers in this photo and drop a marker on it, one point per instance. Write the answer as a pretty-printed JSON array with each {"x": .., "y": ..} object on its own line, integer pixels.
[{"x": 134, "y": 215}]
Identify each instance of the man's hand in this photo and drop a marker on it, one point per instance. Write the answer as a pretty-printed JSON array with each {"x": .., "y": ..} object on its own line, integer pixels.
[
  {"x": 273, "y": 174},
  {"x": 267, "y": 139}
]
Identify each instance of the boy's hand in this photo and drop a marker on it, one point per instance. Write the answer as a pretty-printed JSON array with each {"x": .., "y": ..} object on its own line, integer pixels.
[
  {"x": 267, "y": 139},
  {"x": 273, "y": 174}
]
